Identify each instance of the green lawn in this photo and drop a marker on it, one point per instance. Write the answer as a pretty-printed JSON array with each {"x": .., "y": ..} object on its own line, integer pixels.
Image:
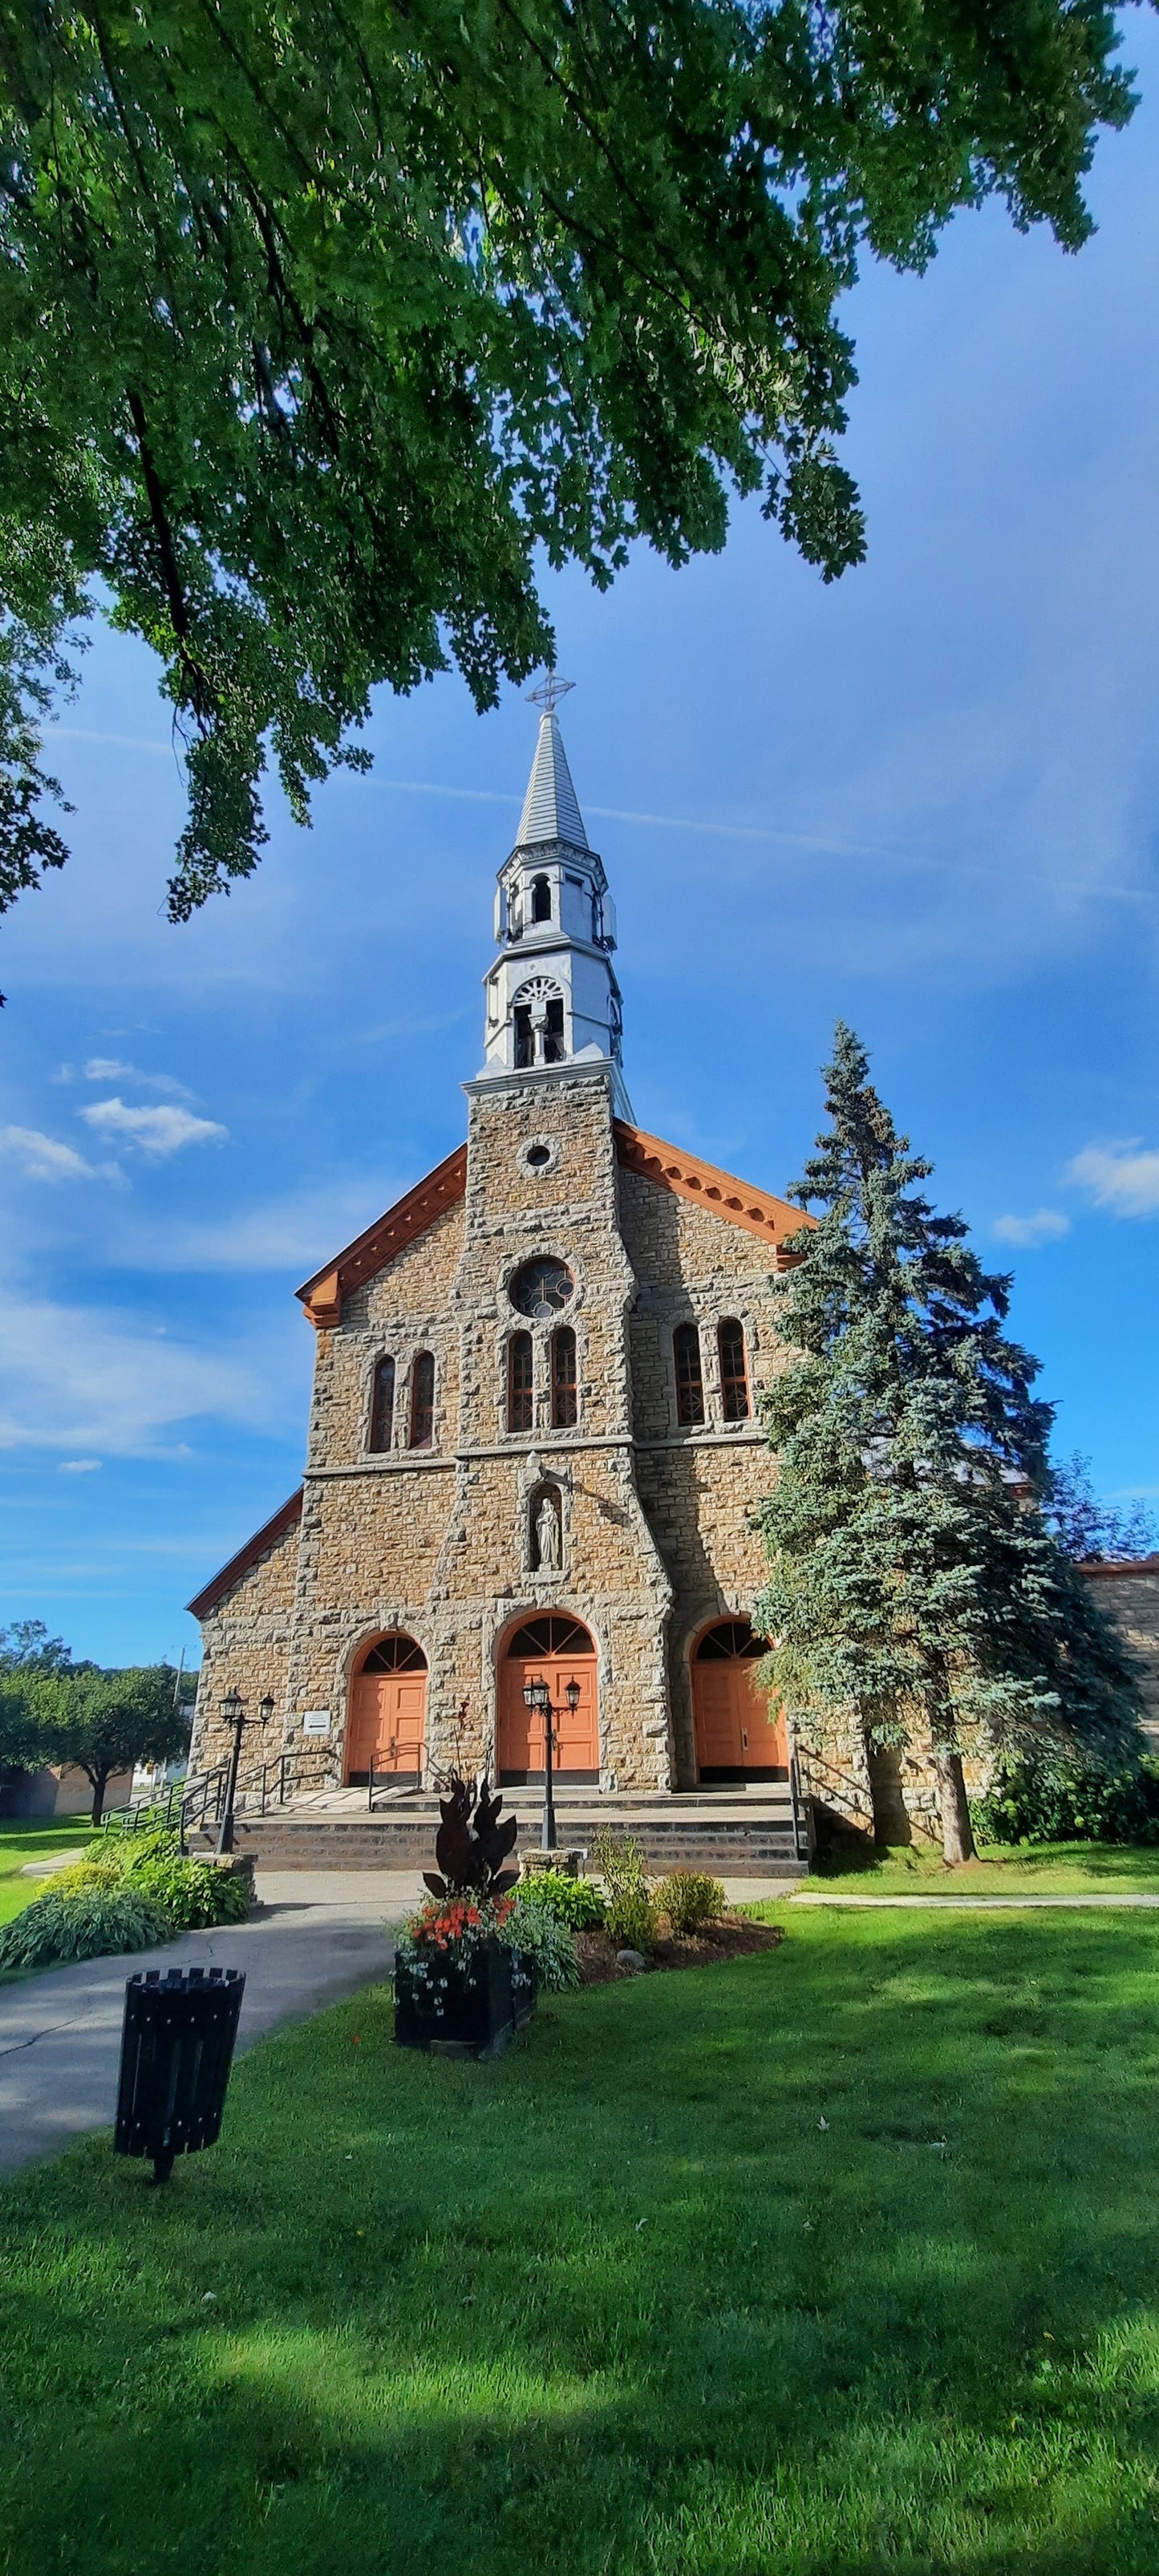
[
  {"x": 24, "y": 1842},
  {"x": 1047, "y": 1869},
  {"x": 842, "y": 2259}
]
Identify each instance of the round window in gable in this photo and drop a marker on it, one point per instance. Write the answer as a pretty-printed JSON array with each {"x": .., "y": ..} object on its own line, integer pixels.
[
  {"x": 541, "y": 1289},
  {"x": 537, "y": 1156}
]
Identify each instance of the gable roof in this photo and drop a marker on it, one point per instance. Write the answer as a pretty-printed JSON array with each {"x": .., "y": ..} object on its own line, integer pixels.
[
  {"x": 720, "y": 1192},
  {"x": 263, "y": 1539},
  {"x": 403, "y": 1223}
]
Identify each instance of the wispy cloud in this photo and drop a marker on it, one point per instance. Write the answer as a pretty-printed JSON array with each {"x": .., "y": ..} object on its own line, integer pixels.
[
  {"x": 1122, "y": 1177},
  {"x": 1029, "y": 1233},
  {"x": 89, "y": 1380},
  {"x": 108, "y": 1068},
  {"x": 78, "y": 1466},
  {"x": 44, "y": 1158},
  {"x": 291, "y": 1234},
  {"x": 156, "y": 1131}
]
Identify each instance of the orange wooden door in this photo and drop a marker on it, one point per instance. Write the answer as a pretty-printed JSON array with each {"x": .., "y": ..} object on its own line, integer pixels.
[
  {"x": 577, "y": 1744},
  {"x": 738, "y": 1728},
  {"x": 387, "y": 1723}
]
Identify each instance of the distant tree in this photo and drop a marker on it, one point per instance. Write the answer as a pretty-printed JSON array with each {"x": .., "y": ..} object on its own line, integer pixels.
[
  {"x": 26, "y": 1646},
  {"x": 914, "y": 1588},
  {"x": 1087, "y": 1529},
  {"x": 27, "y": 1654},
  {"x": 319, "y": 324},
  {"x": 111, "y": 1720}
]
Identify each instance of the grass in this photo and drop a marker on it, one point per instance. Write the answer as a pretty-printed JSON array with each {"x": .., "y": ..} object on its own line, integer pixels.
[
  {"x": 21, "y": 1842},
  {"x": 840, "y": 2261},
  {"x": 1030, "y": 1869}
]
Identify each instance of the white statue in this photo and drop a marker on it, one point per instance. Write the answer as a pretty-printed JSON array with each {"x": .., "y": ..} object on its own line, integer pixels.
[{"x": 547, "y": 1536}]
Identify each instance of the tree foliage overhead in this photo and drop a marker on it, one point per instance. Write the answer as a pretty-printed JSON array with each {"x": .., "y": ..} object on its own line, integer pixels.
[
  {"x": 316, "y": 321},
  {"x": 1088, "y": 1528},
  {"x": 914, "y": 1585}
]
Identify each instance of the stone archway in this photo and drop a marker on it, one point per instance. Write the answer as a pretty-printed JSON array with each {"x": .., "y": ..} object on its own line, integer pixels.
[
  {"x": 555, "y": 1648},
  {"x": 386, "y": 1730},
  {"x": 740, "y": 1733}
]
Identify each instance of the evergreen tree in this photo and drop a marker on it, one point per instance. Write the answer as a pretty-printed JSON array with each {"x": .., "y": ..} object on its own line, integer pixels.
[{"x": 914, "y": 1586}]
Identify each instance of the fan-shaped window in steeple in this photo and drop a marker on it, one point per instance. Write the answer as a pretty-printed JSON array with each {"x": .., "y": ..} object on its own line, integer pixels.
[
  {"x": 422, "y": 1402},
  {"x": 689, "y": 1380},
  {"x": 541, "y": 899},
  {"x": 520, "y": 1384}
]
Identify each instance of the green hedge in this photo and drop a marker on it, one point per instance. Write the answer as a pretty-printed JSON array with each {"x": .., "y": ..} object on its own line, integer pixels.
[
  {"x": 1043, "y": 1797},
  {"x": 124, "y": 1895}
]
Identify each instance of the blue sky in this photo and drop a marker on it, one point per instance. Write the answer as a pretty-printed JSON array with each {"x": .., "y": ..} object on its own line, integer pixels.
[{"x": 925, "y": 798}]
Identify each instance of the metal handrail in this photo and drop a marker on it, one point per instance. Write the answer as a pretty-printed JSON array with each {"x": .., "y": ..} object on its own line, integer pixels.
[{"x": 136, "y": 1812}]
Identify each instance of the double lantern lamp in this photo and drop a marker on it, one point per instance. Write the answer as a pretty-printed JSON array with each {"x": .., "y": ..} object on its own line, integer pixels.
[{"x": 537, "y": 1698}]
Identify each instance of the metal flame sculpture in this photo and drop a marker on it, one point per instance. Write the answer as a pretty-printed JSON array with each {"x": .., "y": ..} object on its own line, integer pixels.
[{"x": 472, "y": 1844}]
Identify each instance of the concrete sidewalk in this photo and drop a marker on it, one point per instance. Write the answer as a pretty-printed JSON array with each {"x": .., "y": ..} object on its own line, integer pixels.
[
  {"x": 317, "y": 1937},
  {"x": 975, "y": 1904}
]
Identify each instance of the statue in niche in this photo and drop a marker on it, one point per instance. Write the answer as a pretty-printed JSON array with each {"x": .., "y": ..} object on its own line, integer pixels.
[{"x": 547, "y": 1551}]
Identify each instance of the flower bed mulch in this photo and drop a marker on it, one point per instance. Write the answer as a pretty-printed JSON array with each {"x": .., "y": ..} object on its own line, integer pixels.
[{"x": 732, "y": 1938}]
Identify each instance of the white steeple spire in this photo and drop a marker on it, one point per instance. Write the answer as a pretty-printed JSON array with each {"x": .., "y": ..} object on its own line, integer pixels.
[{"x": 552, "y": 997}]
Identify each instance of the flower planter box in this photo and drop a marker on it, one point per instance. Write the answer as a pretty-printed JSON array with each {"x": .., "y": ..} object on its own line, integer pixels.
[{"x": 467, "y": 2005}]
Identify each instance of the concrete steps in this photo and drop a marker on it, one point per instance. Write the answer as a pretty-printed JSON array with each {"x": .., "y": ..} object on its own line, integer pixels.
[{"x": 732, "y": 1835}]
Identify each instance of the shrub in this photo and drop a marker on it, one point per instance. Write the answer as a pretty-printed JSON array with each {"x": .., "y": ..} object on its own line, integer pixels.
[
  {"x": 689, "y": 1899},
  {"x": 1047, "y": 1797},
  {"x": 192, "y": 1893},
  {"x": 573, "y": 1901},
  {"x": 545, "y": 1941},
  {"x": 629, "y": 1908},
  {"x": 82, "y": 1923}
]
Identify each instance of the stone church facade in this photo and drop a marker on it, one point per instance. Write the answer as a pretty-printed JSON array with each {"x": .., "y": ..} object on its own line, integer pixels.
[{"x": 534, "y": 1443}]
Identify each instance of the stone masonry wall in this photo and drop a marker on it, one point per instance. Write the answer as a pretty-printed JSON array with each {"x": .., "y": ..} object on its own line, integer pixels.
[
  {"x": 246, "y": 1647},
  {"x": 698, "y": 1486},
  {"x": 1129, "y": 1596}
]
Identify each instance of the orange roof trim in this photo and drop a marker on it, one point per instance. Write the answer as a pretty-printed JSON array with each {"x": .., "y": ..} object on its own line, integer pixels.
[
  {"x": 323, "y": 1295},
  {"x": 262, "y": 1540},
  {"x": 1112, "y": 1569},
  {"x": 720, "y": 1192}
]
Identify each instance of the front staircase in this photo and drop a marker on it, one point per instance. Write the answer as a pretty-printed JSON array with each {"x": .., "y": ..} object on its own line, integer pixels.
[{"x": 732, "y": 1833}]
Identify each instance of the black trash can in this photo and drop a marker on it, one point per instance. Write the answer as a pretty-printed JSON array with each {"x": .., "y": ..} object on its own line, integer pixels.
[{"x": 176, "y": 2053}]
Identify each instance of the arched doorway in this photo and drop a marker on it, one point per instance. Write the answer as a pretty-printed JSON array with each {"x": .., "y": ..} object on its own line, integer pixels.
[
  {"x": 388, "y": 1713},
  {"x": 740, "y": 1733},
  {"x": 558, "y": 1651}
]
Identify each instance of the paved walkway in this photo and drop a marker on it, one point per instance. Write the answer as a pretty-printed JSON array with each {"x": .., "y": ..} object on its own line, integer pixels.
[
  {"x": 318, "y": 1936},
  {"x": 980, "y": 1904}
]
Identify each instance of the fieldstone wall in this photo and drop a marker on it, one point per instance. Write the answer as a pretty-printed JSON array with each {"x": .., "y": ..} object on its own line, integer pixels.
[
  {"x": 246, "y": 1647},
  {"x": 1129, "y": 1595}
]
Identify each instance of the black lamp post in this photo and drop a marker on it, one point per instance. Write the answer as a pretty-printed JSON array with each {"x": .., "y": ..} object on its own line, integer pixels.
[
  {"x": 538, "y": 1697},
  {"x": 233, "y": 1711}
]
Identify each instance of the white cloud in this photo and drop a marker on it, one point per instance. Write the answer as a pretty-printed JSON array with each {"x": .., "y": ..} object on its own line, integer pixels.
[
  {"x": 77, "y": 1466},
  {"x": 1120, "y": 1177},
  {"x": 109, "y": 1068},
  {"x": 156, "y": 1131},
  {"x": 1029, "y": 1232},
  {"x": 88, "y": 1379},
  {"x": 44, "y": 1157},
  {"x": 292, "y": 1234}
]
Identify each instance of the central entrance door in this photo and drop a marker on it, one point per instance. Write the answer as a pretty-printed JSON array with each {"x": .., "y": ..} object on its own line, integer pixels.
[
  {"x": 558, "y": 1651},
  {"x": 388, "y": 1714},
  {"x": 740, "y": 1732}
]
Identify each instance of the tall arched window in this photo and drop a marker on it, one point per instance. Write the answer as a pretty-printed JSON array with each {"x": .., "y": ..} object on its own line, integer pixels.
[
  {"x": 734, "y": 1381},
  {"x": 541, "y": 899},
  {"x": 564, "y": 1390},
  {"x": 520, "y": 1384},
  {"x": 422, "y": 1402},
  {"x": 382, "y": 1405},
  {"x": 689, "y": 1382}
]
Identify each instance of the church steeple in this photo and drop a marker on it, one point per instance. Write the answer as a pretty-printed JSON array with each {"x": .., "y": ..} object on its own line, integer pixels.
[{"x": 552, "y": 996}]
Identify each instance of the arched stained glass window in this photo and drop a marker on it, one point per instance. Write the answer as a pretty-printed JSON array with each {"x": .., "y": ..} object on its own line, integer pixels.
[
  {"x": 382, "y": 1405},
  {"x": 422, "y": 1402},
  {"x": 689, "y": 1381},
  {"x": 734, "y": 1382},
  {"x": 397, "y": 1654},
  {"x": 564, "y": 1390},
  {"x": 520, "y": 1383}
]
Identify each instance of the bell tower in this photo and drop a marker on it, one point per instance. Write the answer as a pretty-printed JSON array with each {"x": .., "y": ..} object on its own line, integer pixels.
[{"x": 552, "y": 996}]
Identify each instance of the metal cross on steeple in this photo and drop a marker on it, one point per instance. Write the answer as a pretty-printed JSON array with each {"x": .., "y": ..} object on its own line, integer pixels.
[{"x": 549, "y": 693}]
